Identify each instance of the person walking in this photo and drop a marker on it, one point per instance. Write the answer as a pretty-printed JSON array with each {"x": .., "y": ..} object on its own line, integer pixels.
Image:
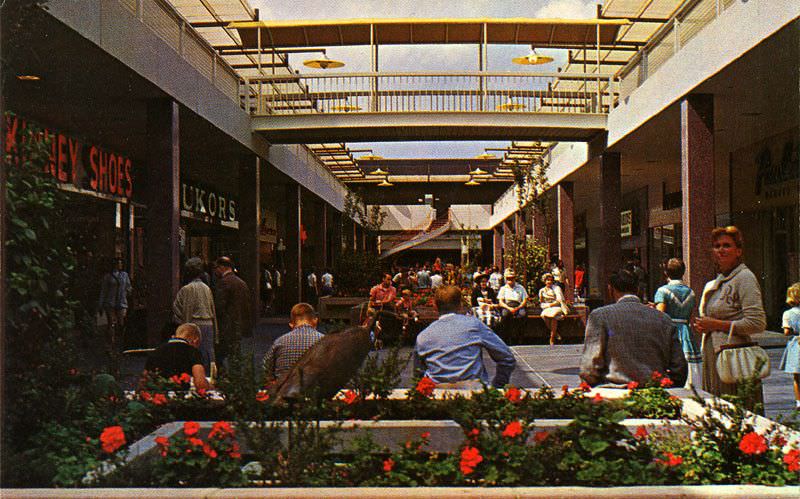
[
  {"x": 113, "y": 302},
  {"x": 677, "y": 300},
  {"x": 790, "y": 362},
  {"x": 194, "y": 303},
  {"x": 731, "y": 309},
  {"x": 232, "y": 303}
]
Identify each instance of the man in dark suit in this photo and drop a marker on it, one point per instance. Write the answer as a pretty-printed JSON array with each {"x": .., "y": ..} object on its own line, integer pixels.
[
  {"x": 627, "y": 341},
  {"x": 232, "y": 302}
]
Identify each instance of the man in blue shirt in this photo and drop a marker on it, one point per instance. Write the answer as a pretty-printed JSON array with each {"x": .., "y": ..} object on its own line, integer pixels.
[{"x": 450, "y": 349}]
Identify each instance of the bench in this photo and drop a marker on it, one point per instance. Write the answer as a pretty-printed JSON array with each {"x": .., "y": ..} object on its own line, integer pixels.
[{"x": 338, "y": 307}]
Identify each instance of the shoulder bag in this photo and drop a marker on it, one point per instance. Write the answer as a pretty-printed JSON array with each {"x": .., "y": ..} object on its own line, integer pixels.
[{"x": 737, "y": 362}]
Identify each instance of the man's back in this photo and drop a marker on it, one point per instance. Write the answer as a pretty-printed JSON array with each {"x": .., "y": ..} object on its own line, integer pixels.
[
  {"x": 173, "y": 357},
  {"x": 451, "y": 350},
  {"x": 288, "y": 349},
  {"x": 628, "y": 341},
  {"x": 232, "y": 302}
]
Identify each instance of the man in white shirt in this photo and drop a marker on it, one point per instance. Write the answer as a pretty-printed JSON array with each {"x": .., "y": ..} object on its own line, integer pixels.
[
  {"x": 512, "y": 299},
  {"x": 313, "y": 286},
  {"x": 436, "y": 279},
  {"x": 495, "y": 279},
  {"x": 423, "y": 278},
  {"x": 327, "y": 284}
]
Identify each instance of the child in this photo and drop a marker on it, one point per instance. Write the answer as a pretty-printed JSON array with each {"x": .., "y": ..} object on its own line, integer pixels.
[
  {"x": 790, "y": 362},
  {"x": 677, "y": 300}
]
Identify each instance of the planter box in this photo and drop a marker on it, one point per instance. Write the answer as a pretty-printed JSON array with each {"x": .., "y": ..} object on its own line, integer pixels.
[{"x": 338, "y": 307}]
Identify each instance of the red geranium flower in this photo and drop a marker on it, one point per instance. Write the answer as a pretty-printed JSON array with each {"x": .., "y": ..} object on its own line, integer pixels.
[
  {"x": 196, "y": 441},
  {"x": 779, "y": 441},
  {"x": 565, "y": 389},
  {"x": 425, "y": 386},
  {"x": 234, "y": 453},
  {"x": 350, "y": 397},
  {"x": 666, "y": 382},
  {"x": 222, "y": 429},
  {"x": 792, "y": 460},
  {"x": 584, "y": 386},
  {"x": 388, "y": 465},
  {"x": 671, "y": 460},
  {"x": 753, "y": 443},
  {"x": 513, "y": 394},
  {"x": 112, "y": 438},
  {"x": 641, "y": 432},
  {"x": 209, "y": 451},
  {"x": 633, "y": 385},
  {"x": 597, "y": 398},
  {"x": 201, "y": 392},
  {"x": 512, "y": 429},
  {"x": 470, "y": 458},
  {"x": 191, "y": 428},
  {"x": 262, "y": 396},
  {"x": 426, "y": 435},
  {"x": 145, "y": 396},
  {"x": 656, "y": 376},
  {"x": 163, "y": 443},
  {"x": 473, "y": 433},
  {"x": 540, "y": 436},
  {"x": 159, "y": 399}
]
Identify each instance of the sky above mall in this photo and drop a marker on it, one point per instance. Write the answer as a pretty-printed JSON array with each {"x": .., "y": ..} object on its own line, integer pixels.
[{"x": 427, "y": 58}]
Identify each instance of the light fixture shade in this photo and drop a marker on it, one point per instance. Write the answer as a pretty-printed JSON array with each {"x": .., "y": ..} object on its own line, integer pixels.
[
  {"x": 486, "y": 155},
  {"x": 346, "y": 108},
  {"x": 532, "y": 59},
  {"x": 378, "y": 171},
  {"x": 471, "y": 181},
  {"x": 323, "y": 63},
  {"x": 385, "y": 183},
  {"x": 478, "y": 171},
  {"x": 370, "y": 157},
  {"x": 510, "y": 106}
]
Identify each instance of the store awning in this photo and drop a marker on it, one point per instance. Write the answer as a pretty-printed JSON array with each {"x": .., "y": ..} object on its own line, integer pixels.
[{"x": 347, "y": 32}]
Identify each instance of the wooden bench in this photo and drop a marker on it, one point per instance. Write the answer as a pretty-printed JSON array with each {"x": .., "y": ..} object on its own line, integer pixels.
[{"x": 572, "y": 325}]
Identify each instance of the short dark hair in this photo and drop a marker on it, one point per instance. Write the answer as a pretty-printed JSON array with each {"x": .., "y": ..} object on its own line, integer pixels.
[
  {"x": 624, "y": 280},
  {"x": 224, "y": 261},
  {"x": 448, "y": 299},
  {"x": 675, "y": 268}
]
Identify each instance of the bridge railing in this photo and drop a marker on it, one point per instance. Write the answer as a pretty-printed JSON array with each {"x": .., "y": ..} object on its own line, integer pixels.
[{"x": 430, "y": 92}]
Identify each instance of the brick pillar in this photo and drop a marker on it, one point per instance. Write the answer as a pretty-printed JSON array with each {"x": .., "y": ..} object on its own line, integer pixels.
[
  {"x": 697, "y": 186},
  {"x": 539, "y": 228},
  {"x": 508, "y": 240},
  {"x": 162, "y": 265},
  {"x": 294, "y": 260},
  {"x": 566, "y": 232},
  {"x": 610, "y": 198},
  {"x": 249, "y": 222},
  {"x": 497, "y": 247}
]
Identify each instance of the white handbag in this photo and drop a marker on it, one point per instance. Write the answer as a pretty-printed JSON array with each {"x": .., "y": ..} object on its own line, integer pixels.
[{"x": 737, "y": 362}]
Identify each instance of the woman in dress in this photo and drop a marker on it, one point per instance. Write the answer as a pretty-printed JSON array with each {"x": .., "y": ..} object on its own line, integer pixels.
[
  {"x": 730, "y": 303},
  {"x": 677, "y": 300},
  {"x": 551, "y": 300},
  {"x": 484, "y": 302},
  {"x": 790, "y": 362}
]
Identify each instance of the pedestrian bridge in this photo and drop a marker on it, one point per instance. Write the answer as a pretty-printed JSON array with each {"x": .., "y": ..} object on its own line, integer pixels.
[{"x": 382, "y": 106}]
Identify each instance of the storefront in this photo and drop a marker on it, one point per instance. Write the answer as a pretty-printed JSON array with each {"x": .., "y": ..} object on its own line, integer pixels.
[{"x": 764, "y": 204}]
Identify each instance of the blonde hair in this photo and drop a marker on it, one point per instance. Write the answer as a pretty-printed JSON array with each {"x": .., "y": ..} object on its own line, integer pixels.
[
  {"x": 731, "y": 231},
  {"x": 188, "y": 331},
  {"x": 793, "y": 295}
]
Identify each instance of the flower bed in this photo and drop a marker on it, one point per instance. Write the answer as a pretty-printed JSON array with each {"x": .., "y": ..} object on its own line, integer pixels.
[{"x": 494, "y": 439}]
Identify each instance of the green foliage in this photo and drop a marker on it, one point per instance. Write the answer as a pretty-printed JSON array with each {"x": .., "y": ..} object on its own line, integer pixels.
[
  {"x": 379, "y": 375},
  {"x": 653, "y": 403},
  {"x": 529, "y": 260},
  {"x": 357, "y": 272}
]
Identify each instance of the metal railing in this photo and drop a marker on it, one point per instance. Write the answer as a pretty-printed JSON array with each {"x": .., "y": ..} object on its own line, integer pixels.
[
  {"x": 427, "y": 92},
  {"x": 173, "y": 29},
  {"x": 687, "y": 21}
]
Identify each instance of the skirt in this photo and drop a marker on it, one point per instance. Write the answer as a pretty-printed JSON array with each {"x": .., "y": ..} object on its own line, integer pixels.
[
  {"x": 790, "y": 362},
  {"x": 690, "y": 350}
]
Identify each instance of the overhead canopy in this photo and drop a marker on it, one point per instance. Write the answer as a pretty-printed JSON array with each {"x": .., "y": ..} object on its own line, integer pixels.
[{"x": 347, "y": 32}]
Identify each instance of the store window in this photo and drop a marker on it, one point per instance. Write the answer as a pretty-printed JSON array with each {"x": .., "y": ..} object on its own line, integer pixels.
[{"x": 664, "y": 242}]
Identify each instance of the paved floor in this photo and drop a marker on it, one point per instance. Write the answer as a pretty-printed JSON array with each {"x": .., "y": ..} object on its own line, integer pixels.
[{"x": 537, "y": 365}]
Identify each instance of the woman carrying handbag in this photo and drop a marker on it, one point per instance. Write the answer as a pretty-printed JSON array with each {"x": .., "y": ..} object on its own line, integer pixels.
[{"x": 730, "y": 311}]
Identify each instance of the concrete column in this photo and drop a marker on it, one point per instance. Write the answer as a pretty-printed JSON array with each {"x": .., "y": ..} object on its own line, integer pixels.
[
  {"x": 325, "y": 237},
  {"x": 497, "y": 247},
  {"x": 249, "y": 222},
  {"x": 566, "y": 232},
  {"x": 294, "y": 260},
  {"x": 162, "y": 265},
  {"x": 610, "y": 199},
  {"x": 697, "y": 186}
]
